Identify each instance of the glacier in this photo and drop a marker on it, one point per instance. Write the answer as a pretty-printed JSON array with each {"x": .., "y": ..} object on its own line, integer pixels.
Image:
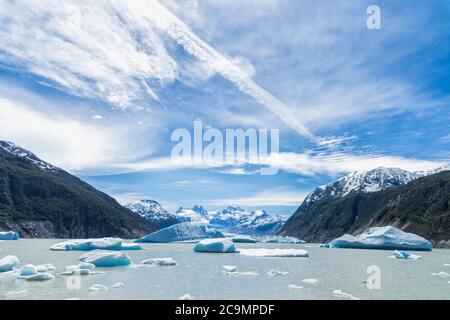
[
  {"x": 186, "y": 231},
  {"x": 8, "y": 263},
  {"x": 262, "y": 252},
  {"x": 93, "y": 244},
  {"x": 220, "y": 245},
  {"x": 387, "y": 238},
  {"x": 9, "y": 235},
  {"x": 102, "y": 258}
]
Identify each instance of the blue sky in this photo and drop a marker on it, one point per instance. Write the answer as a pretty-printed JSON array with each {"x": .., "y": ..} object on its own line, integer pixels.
[{"x": 98, "y": 88}]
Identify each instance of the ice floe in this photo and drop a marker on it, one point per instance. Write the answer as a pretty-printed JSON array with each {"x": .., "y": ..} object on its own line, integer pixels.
[
  {"x": 249, "y": 273},
  {"x": 295, "y": 287},
  {"x": 405, "y": 255},
  {"x": 326, "y": 245},
  {"x": 282, "y": 239},
  {"x": 8, "y": 263},
  {"x": 277, "y": 273},
  {"x": 229, "y": 268},
  {"x": 35, "y": 273},
  {"x": 221, "y": 245},
  {"x": 102, "y": 258},
  {"x": 159, "y": 262},
  {"x": 243, "y": 239},
  {"x": 344, "y": 295},
  {"x": 9, "y": 235},
  {"x": 187, "y": 296},
  {"x": 310, "y": 281},
  {"x": 118, "y": 285},
  {"x": 182, "y": 232},
  {"x": 98, "y": 287},
  {"x": 93, "y": 244},
  {"x": 388, "y": 238},
  {"x": 263, "y": 252},
  {"x": 441, "y": 274},
  {"x": 83, "y": 268}
]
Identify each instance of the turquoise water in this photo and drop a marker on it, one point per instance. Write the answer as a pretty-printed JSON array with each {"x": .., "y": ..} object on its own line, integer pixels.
[{"x": 201, "y": 274}]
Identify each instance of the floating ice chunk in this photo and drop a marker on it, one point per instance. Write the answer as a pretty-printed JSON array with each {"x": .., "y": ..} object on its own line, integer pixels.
[
  {"x": 92, "y": 244},
  {"x": 8, "y": 263},
  {"x": 160, "y": 262},
  {"x": 388, "y": 238},
  {"x": 48, "y": 267},
  {"x": 187, "y": 296},
  {"x": 101, "y": 258},
  {"x": 118, "y": 285},
  {"x": 98, "y": 287},
  {"x": 277, "y": 273},
  {"x": 249, "y": 273},
  {"x": 220, "y": 245},
  {"x": 405, "y": 255},
  {"x": 84, "y": 268},
  {"x": 441, "y": 274},
  {"x": 326, "y": 245},
  {"x": 310, "y": 281},
  {"x": 262, "y": 252},
  {"x": 16, "y": 293},
  {"x": 295, "y": 287},
  {"x": 344, "y": 295},
  {"x": 9, "y": 235},
  {"x": 229, "y": 268},
  {"x": 41, "y": 276},
  {"x": 243, "y": 239},
  {"x": 31, "y": 272},
  {"x": 182, "y": 232},
  {"x": 281, "y": 239}
]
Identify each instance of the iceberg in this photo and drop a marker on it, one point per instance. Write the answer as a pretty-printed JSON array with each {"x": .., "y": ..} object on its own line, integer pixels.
[
  {"x": 84, "y": 268},
  {"x": 9, "y": 235},
  {"x": 182, "y": 232},
  {"x": 8, "y": 263},
  {"x": 160, "y": 262},
  {"x": 220, "y": 245},
  {"x": 282, "y": 239},
  {"x": 243, "y": 239},
  {"x": 404, "y": 255},
  {"x": 262, "y": 252},
  {"x": 101, "y": 258},
  {"x": 387, "y": 238},
  {"x": 118, "y": 285},
  {"x": 344, "y": 295},
  {"x": 35, "y": 273},
  {"x": 277, "y": 273},
  {"x": 93, "y": 244},
  {"x": 310, "y": 281}
]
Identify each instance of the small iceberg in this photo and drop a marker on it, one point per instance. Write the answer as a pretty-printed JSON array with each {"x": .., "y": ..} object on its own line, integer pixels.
[
  {"x": 9, "y": 235},
  {"x": 295, "y": 287},
  {"x": 101, "y": 258},
  {"x": 221, "y": 245},
  {"x": 249, "y": 273},
  {"x": 243, "y": 239},
  {"x": 8, "y": 263},
  {"x": 84, "y": 268},
  {"x": 326, "y": 245},
  {"x": 277, "y": 273},
  {"x": 310, "y": 281},
  {"x": 262, "y": 252},
  {"x": 405, "y": 255},
  {"x": 98, "y": 287},
  {"x": 93, "y": 244},
  {"x": 186, "y": 231},
  {"x": 35, "y": 273},
  {"x": 229, "y": 268},
  {"x": 387, "y": 238},
  {"x": 283, "y": 239},
  {"x": 118, "y": 285},
  {"x": 160, "y": 262},
  {"x": 344, "y": 295},
  {"x": 187, "y": 296},
  {"x": 441, "y": 274}
]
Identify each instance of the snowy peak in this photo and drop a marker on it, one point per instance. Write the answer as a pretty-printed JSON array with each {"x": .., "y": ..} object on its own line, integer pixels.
[
  {"x": 153, "y": 211},
  {"x": 17, "y": 151},
  {"x": 362, "y": 181},
  {"x": 194, "y": 214}
]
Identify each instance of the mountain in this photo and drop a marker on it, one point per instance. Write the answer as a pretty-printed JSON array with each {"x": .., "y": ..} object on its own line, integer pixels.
[
  {"x": 40, "y": 200},
  {"x": 195, "y": 214},
  {"x": 419, "y": 206},
  {"x": 153, "y": 212},
  {"x": 237, "y": 220}
]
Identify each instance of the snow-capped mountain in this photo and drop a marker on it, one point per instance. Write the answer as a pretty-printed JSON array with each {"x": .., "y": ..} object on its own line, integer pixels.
[
  {"x": 195, "y": 214},
  {"x": 154, "y": 212},
  {"x": 17, "y": 151},
  {"x": 235, "y": 219},
  {"x": 362, "y": 181}
]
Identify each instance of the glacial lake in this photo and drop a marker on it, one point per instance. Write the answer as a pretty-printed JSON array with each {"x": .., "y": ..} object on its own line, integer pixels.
[{"x": 201, "y": 274}]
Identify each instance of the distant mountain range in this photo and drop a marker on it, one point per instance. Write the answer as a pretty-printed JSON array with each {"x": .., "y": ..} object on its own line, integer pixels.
[
  {"x": 416, "y": 202},
  {"x": 153, "y": 212},
  {"x": 38, "y": 199},
  {"x": 232, "y": 219}
]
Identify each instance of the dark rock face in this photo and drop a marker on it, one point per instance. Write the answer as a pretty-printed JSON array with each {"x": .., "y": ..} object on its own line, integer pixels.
[
  {"x": 40, "y": 200},
  {"x": 421, "y": 207}
]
